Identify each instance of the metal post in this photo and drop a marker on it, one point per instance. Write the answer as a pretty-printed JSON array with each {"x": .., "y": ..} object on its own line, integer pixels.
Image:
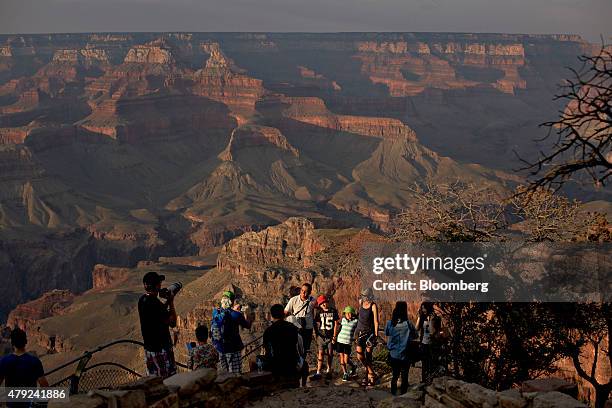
[{"x": 75, "y": 378}]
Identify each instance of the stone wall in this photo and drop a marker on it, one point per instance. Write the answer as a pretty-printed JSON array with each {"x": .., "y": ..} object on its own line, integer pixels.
[
  {"x": 447, "y": 392},
  {"x": 190, "y": 389},
  {"x": 204, "y": 388}
]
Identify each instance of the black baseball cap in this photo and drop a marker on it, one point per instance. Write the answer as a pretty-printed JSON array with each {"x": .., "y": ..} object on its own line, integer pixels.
[{"x": 152, "y": 278}]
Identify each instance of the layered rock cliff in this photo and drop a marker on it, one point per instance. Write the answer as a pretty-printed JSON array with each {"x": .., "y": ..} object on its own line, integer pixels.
[
  {"x": 107, "y": 277},
  {"x": 169, "y": 144},
  {"x": 290, "y": 243},
  {"x": 50, "y": 304}
]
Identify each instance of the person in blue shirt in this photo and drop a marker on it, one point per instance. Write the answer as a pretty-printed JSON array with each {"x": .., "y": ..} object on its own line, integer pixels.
[
  {"x": 21, "y": 369},
  {"x": 225, "y": 333},
  {"x": 399, "y": 331}
]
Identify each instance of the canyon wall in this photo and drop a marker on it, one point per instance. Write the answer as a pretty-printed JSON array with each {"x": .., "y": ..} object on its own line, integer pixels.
[{"x": 117, "y": 148}]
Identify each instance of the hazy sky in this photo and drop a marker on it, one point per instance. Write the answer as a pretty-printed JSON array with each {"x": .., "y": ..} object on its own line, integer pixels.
[{"x": 590, "y": 18}]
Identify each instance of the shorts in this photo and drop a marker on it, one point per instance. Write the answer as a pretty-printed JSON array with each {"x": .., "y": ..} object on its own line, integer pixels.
[
  {"x": 343, "y": 348},
  {"x": 325, "y": 345},
  {"x": 231, "y": 362},
  {"x": 160, "y": 363},
  {"x": 362, "y": 340}
]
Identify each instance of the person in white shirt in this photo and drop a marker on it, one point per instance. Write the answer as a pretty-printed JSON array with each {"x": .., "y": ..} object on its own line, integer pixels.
[
  {"x": 301, "y": 307},
  {"x": 424, "y": 327}
]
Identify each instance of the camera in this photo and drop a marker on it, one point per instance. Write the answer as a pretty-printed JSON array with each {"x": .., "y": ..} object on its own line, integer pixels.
[{"x": 171, "y": 290}]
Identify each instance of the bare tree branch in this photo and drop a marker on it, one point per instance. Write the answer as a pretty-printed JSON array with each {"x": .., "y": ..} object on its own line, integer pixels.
[{"x": 584, "y": 128}]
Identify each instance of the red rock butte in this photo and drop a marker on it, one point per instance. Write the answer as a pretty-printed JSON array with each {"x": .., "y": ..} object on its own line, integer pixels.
[{"x": 122, "y": 148}]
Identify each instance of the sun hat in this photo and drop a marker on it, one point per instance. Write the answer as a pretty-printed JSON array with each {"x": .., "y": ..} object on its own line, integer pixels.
[
  {"x": 229, "y": 294},
  {"x": 349, "y": 309}
]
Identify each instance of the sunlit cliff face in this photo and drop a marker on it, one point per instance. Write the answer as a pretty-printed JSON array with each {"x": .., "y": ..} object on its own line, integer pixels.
[{"x": 120, "y": 148}]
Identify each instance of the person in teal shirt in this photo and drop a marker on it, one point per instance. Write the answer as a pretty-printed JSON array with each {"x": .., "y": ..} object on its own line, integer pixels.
[{"x": 343, "y": 338}]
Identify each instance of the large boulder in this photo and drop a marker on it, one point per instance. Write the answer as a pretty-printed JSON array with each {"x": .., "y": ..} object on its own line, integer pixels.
[
  {"x": 471, "y": 395},
  {"x": 556, "y": 399},
  {"x": 153, "y": 387},
  {"x": 511, "y": 399},
  {"x": 550, "y": 384},
  {"x": 169, "y": 401},
  {"x": 122, "y": 398},
  {"x": 189, "y": 383}
]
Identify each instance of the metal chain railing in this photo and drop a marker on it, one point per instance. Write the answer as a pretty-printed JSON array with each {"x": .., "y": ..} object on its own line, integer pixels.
[
  {"x": 252, "y": 346},
  {"x": 106, "y": 375},
  {"x": 109, "y": 374},
  {"x": 99, "y": 375},
  {"x": 249, "y": 349}
]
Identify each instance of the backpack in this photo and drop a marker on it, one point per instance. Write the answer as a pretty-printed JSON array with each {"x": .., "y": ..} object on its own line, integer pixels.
[{"x": 221, "y": 328}]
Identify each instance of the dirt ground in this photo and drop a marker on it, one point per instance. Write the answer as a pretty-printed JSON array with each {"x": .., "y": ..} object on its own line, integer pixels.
[{"x": 334, "y": 393}]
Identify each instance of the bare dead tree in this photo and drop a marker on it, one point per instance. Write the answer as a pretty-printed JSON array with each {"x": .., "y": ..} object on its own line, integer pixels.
[
  {"x": 451, "y": 212},
  {"x": 586, "y": 331},
  {"x": 583, "y": 130}
]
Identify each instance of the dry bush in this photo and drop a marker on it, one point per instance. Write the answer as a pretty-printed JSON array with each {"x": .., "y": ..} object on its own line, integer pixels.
[
  {"x": 454, "y": 212},
  {"x": 500, "y": 345},
  {"x": 547, "y": 216}
]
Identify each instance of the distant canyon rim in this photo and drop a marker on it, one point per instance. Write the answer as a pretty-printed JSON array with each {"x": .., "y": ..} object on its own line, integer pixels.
[{"x": 117, "y": 148}]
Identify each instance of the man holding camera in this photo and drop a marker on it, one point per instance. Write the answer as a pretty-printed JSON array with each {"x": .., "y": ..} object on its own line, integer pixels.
[{"x": 156, "y": 318}]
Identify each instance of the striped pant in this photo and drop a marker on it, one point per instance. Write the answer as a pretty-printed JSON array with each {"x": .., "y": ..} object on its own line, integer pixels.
[{"x": 160, "y": 363}]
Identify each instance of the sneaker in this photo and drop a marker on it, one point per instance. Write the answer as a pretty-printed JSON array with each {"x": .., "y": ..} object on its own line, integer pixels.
[
  {"x": 328, "y": 375},
  {"x": 345, "y": 377},
  {"x": 315, "y": 377}
]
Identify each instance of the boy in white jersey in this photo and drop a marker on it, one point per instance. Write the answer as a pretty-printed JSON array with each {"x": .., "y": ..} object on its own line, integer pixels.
[{"x": 326, "y": 319}]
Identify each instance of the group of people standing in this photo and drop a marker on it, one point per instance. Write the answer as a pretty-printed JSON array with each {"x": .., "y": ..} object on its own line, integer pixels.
[
  {"x": 288, "y": 339},
  {"x": 305, "y": 316}
]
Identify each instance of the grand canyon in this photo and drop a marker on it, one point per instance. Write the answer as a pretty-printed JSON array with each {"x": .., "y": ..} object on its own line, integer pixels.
[{"x": 246, "y": 160}]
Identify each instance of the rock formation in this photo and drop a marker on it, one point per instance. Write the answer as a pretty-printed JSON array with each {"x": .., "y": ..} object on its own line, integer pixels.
[
  {"x": 118, "y": 148},
  {"x": 290, "y": 243},
  {"x": 314, "y": 112},
  {"x": 50, "y": 304},
  {"x": 254, "y": 137},
  {"x": 105, "y": 277},
  {"x": 148, "y": 54}
]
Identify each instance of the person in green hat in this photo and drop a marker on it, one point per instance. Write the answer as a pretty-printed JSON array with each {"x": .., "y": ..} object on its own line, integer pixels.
[
  {"x": 343, "y": 338},
  {"x": 225, "y": 333}
]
